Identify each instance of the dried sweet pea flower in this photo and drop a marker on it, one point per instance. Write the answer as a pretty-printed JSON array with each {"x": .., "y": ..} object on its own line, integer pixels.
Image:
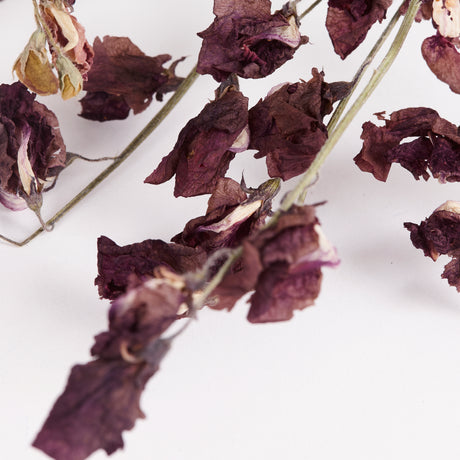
[
  {"x": 246, "y": 39},
  {"x": 348, "y": 22},
  {"x": 436, "y": 147},
  {"x": 122, "y": 77},
  {"x": 84, "y": 418},
  {"x": 118, "y": 264},
  {"x": 32, "y": 151},
  {"x": 441, "y": 50},
  {"x": 234, "y": 212},
  {"x": 292, "y": 253},
  {"x": 67, "y": 34},
  {"x": 440, "y": 234},
  {"x": 287, "y": 126},
  {"x": 206, "y": 145},
  {"x": 71, "y": 54}
]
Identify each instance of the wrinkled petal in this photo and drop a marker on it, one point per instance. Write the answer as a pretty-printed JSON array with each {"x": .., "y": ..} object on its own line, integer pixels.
[
  {"x": 440, "y": 234},
  {"x": 435, "y": 149},
  {"x": 116, "y": 264},
  {"x": 205, "y": 146},
  {"x": 32, "y": 150},
  {"x": 443, "y": 59},
  {"x": 349, "y": 21},
  {"x": 292, "y": 253},
  {"x": 121, "y": 72},
  {"x": 287, "y": 126},
  {"x": 231, "y": 217},
  {"x": 247, "y": 40},
  {"x": 100, "y": 401}
]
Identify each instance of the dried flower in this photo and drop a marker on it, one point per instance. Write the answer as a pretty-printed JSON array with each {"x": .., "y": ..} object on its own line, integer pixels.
[
  {"x": 287, "y": 126},
  {"x": 118, "y": 264},
  {"x": 440, "y": 234},
  {"x": 436, "y": 148},
  {"x": 32, "y": 151},
  {"x": 101, "y": 398},
  {"x": 348, "y": 22},
  {"x": 246, "y": 39},
  {"x": 206, "y": 145},
  {"x": 122, "y": 77}
]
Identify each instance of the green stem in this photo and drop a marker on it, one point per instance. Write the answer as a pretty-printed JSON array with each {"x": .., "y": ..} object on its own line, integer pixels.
[
  {"x": 133, "y": 145},
  {"x": 362, "y": 69},
  {"x": 376, "y": 78}
]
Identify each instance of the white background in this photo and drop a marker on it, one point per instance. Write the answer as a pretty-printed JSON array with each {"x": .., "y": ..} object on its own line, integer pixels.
[{"x": 372, "y": 371}]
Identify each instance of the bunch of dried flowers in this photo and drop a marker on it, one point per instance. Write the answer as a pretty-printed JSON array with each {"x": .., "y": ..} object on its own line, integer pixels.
[{"x": 241, "y": 245}]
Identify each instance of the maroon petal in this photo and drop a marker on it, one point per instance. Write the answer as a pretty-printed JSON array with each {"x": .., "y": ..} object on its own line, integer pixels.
[
  {"x": 116, "y": 264},
  {"x": 30, "y": 140},
  {"x": 100, "y": 401},
  {"x": 202, "y": 152},
  {"x": 229, "y": 219},
  {"x": 101, "y": 106},
  {"x": 292, "y": 254},
  {"x": 440, "y": 234},
  {"x": 122, "y": 71},
  {"x": 443, "y": 59},
  {"x": 247, "y": 40},
  {"x": 279, "y": 293},
  {"x": 349, "y": 21},
  {"x": 437, "y": 147}
]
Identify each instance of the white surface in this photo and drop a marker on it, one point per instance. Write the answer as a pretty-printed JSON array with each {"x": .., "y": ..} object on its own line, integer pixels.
[{"x": 371, "y": 372}]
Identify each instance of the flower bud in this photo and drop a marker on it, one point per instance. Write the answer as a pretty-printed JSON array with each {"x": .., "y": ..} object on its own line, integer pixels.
[
  {"x": 33, "y": 67},
  {"x": 70, "y": 79}
]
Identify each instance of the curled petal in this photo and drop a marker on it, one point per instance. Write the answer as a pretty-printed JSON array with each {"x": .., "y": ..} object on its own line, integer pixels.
[{"x": 443, "y": 59}]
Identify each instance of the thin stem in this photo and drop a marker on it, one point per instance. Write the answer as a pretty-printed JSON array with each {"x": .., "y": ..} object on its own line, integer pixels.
[
  {"x": 310, "y": 8},
  {"x": 362, "y": 69},
  {"x": 386, "y": 63},
  {"x": 133, "y": 145},
  {"x": 71, "y": 157}
]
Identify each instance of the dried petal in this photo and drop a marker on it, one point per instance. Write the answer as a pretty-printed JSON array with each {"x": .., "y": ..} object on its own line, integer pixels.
[
  {"x": 443, "y": 59},
  {"x": 33, "y": 67},
  {"x": 437, "y": 147},
  {"x": 32, "y": 151},
  {"x": 116, "y": 264},
  {"x": 247, "y": 40},
  {"x": 349, "y": 21},
  {"x": 205, "y": 146},
  {"x": 123, "y": 77},
  {"x": 292, "y": 253},
  {"x": 230, "y": 218},
  {"x": 440, "y": 234},
  {"x": 101, "y": 398},
  {"x": 287, "y": 126}
]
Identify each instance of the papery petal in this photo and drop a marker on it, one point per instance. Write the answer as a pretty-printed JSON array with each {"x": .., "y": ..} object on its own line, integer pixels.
[
  {"x": 349, "y": 21},
  {"x": 202, "y": 152},
  {"x": 247, "y": 40},
  {"x": 446, "y": 15},
  {"x": 440, "y": 234},
  {"x": 122, "y": 72},
  {"x": 116, "y": 264},
  {"x": 287, "y": 126},
  {"x": 100, "y": 401},
  {"x": 443, "y": 59},
  {"x": 437, "y": 147}
]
